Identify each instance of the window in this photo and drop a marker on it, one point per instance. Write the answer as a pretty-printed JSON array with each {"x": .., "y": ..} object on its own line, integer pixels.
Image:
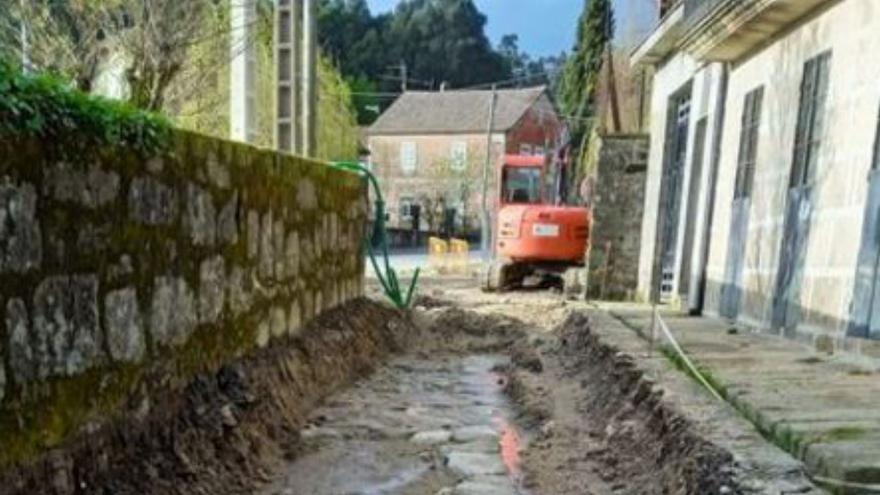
[
  {"x": 540, "y": 151},
  {"x": 525, "y": 149},
  {"x": 748, "y": 143},
  {"x": 459, "y": 155},
  {"x": 406, "y": 207},
  {"x": 408, "y": 156},
  {"x": 811, "y": 119},
  {"x": 522, "y": 185}
]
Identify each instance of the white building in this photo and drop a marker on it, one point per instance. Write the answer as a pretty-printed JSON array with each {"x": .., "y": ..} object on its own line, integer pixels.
[{"x": 762, "y": 200}]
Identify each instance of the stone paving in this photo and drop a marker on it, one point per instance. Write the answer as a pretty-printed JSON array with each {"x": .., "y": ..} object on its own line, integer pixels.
[
  {"x": 422, "y": 424},
  {"x": 822, "y": 408}
]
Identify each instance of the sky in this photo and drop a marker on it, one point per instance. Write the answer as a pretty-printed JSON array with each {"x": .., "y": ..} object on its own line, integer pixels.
[{"x": 547, "y": 27}]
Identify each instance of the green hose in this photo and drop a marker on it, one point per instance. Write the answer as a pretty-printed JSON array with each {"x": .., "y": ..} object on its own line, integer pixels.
[{"x": 379, "y": 237}]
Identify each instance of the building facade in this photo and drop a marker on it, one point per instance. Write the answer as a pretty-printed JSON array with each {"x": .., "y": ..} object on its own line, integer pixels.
[
  {"x": 430, "y": 148},
  {"x": 762, "y": 200}
]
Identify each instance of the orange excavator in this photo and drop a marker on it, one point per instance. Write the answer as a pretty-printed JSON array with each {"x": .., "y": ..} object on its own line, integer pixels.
[{"x": 536, "y": 239}]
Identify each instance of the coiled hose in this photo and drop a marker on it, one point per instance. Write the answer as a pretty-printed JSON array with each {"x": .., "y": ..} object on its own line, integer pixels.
[{"x": 379, "y": 237}]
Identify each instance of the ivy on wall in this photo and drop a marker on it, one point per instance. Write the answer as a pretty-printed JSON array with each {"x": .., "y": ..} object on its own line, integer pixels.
[{"x": 44, "y": 106}]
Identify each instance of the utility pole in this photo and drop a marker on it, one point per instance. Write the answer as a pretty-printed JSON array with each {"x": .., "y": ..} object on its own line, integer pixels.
[
  {"x": 288, "y": 74},
  {"x": 242, "y": 97},
  {"x": 403, "y": 76},
  {"x": 485, "y": 214},
  {"x": 310, "y": 68}
]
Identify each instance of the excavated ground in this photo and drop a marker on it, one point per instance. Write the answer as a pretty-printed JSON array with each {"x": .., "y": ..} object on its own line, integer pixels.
[{"x": 442, "y": 401}]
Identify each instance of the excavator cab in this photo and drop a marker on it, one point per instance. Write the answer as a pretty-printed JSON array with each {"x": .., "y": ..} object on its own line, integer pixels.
[{"x": 521, "y": 181}]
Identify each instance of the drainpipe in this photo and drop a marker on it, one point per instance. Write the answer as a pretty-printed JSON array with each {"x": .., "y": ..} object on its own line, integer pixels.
[{"x": 698, "y": 297}]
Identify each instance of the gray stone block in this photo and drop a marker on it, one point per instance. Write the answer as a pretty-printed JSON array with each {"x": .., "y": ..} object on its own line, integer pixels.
[
  {"x": 200, "y": 219},
  {"x": 212, "y": 289},
  {"x": 93, "y": 188},
  {"x": 21, "y": 247},
  {"x": 267, "y": 256},
  {"x": 291, "y": 254},
  {"x": 263, "y": 333},
  {"x": 306, "y": 196},
  {"x": 294, "y": 320},
  {"x": 470, "y": 464},
  {"x": 278, "y": 238},
  {"x": 218, "y": 173},
  {"x": 122, "y": 319},
  {"x": 306, "y": 250},
  {"x": 278, "y": 322},
  {"x": 253, "y": 234},
  {"x": 227, "y": 225},
  {"x": 151, "y": 202},
  {"x": 67, "y": 336},
  {"x": 172, "y": 312},
  {"x": 239, "y": 290},
  {"x": 21, "y": 356}
]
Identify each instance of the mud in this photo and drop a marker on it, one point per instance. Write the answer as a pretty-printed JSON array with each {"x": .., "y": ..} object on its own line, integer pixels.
[
  {"x": 455, "y": 398},
  {"x": 604, "y": 428},
  {"x": 225, "y": 432},
  {"x": 433, "y": 420}
]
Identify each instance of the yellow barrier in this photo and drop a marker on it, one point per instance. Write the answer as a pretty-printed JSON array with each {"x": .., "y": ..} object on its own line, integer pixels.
[
  {"x": 437, "y": 251},
  {"x": 458, "y": 256},
  {"x": 448, "y": 256}
]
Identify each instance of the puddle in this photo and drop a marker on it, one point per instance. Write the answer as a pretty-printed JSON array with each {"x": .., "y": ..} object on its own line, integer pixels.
[{"x": 416, "y": 426}]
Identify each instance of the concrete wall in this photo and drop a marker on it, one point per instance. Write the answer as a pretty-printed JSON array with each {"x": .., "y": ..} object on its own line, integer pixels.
[
  {"x": 849, "y": 29},
  {"x": 119, "y": 273},
  {"x": 617, "y": 201}
]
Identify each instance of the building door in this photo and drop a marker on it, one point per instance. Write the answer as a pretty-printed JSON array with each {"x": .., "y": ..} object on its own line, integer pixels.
[
  {"x": 865, "y": 317},
  {"x": 799, "y": 207},
  {"x": 675, "y": 152},
  {"x": 731, "y": 291},
  {"x": 684, "y": 278}
]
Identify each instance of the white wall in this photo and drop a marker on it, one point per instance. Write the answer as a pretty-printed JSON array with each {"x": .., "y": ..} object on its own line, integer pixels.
[
  {"x": 850, "y": 29},
  {"x": 669, "y": 78}
]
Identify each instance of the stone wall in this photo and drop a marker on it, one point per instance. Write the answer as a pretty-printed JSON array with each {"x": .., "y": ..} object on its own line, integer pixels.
[
  {"x": 618, "y": 199},
  {"x": 120, "y": 273}
]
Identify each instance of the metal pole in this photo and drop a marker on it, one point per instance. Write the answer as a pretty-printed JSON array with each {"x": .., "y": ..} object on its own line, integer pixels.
[
  {"x": 403, "y": 76},
  {"x": 485, "y": 215},
  {"x": 310, "y": 67}
]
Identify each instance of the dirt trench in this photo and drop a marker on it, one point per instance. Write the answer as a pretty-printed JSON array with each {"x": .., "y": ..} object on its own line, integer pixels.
[{"x": 442, "y": 401}]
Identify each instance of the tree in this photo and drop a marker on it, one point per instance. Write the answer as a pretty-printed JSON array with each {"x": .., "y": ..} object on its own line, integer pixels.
[
  {"x": 444, "y": 41},
  {"x": 151, "y": 39},
  {"x": 439, "y": 41},
  {"x": 580, "y": 77}
]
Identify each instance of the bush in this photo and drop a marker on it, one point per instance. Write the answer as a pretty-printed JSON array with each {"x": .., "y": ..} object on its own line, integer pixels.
[{"x": 46, "y": 107}]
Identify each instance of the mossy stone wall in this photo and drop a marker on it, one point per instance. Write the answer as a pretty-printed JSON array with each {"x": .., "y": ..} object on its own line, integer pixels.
[{"x": 121, "y": 273}]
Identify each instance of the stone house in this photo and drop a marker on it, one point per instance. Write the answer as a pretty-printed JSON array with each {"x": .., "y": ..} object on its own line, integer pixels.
[
  {"x": 429, "y": 149},
  {"x": 762, "y": 195}
]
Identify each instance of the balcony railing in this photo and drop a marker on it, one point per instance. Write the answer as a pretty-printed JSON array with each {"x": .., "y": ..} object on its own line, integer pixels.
[{"x": 697, "y": 10}]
